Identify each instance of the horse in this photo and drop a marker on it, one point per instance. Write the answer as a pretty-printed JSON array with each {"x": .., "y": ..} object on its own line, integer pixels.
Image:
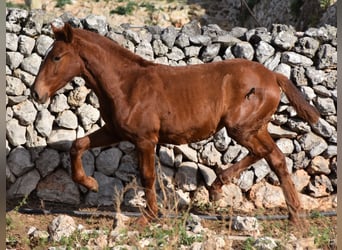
[{"x": 148, "y": 104}]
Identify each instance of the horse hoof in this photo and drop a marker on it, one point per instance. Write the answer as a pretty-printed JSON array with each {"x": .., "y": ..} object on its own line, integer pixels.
[
  {"x": 92, "y": 184},
  {"x": 142, "y": 221}
]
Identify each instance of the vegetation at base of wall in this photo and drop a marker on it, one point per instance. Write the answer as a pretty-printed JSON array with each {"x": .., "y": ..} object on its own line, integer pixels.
[{"x": 61, "y": 3}]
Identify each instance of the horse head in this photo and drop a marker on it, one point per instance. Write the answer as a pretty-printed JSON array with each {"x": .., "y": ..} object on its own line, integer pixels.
[{"x": 60, "y": 65}]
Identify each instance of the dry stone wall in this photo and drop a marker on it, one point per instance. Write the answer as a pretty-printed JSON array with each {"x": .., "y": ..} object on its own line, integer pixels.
[{"x": 38, "y": 136}]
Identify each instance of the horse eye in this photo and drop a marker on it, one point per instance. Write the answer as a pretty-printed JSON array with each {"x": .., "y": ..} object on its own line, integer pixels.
[{"x": 56, "y": 58}]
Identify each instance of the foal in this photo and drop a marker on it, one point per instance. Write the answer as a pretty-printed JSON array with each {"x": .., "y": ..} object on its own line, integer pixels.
[{"x": 147, "y": 103}]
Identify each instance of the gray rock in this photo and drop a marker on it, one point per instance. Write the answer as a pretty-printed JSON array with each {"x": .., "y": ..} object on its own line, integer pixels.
[
  {"x": 182, "y": 41},
  {"x": 167, "y": 156},
  {"x": 261, "y": 170},
  {"x": 298, "y": 76},
  {"x": 77, "y": 96},
  {"x": 210, "y": 52},
  {"x": 62, "y": 226},
  {"x": 175, "y": 54},
  {"x": 320, "y": 187},
  {"x": 245, "y": 224},
  {"x": 210, "y": 155},
  {"x": 285, "y": 145},
  {"x": 47, "y": 161},
  {"x": 59, "y": 187},
  {"x": 246, "y": 180},
  {"x": 279, "y": 132},
  {"x": 13, "y": 59},
  {"x": 222, "y": 140},
  {"x": 26, "y": 44},
  {"x": 67, "y": 119},
  {"x": 284, "y": 69},
  {"x": 132, "y": 36},
  {"x": 323, "y": 128},
  {"x": 43, "y": 43},
  {"x": 319, "y": 165},
  {"x": 15, "y": 133},
  {"x": 61, "y": 139},
  {"x": 191, "y": 29},
  {"x": 31, "y": 63},
  {"x": 188, "y": 152},
  {"x": 308, "y": 92},
  {"x": 145, "y": 50},
  {"x": 14, "y": 86},
  {"x": 159, "y": 48},
  {"x": 19, "y": 161},
  {"x": 243, "y": 50},
  {"x": 33, "y": 140},
  {"x": 295, "y": 59},
  {"x": 128, "y": 168},
  {"x": 25, "y": 112},
  {"x": 34, "y": 23},
  {"x": 285, "y": 40},
  {"x": 168, "y": 36},
  {"x": 313, "y": 144},
  {"x": 192, "y": 51},
  {"x": 11, "y": 41},
  {"x": 327, "y": 57},
  {"x": 326, "y": 106},
  {"x": 27, "y": 78},
  {"x": 193, "y": 61},
  {"x": 226, "y": 40},
  {"x": 186, "y": 176},
  {"x": 24, "y": 185},
  {"x": 109, "y": 190},
  {"x": 300, "y": 179},
  {"x": 200, "y": 40},
  {"x": 44, "y": 122},
  {"x": 307, "y": 46},
  {"x": 272, "y": 62},
  {"x": 126, "y": 147},
  {"x": 315, "y": 76},
  {"x": 232, "y": 196},
  {"x": 231, "y": 153},
  {"x": 298, "y": 125},
  {"x": 208, "y": 174},
  {"x": 108, "y": 161},
  {"x": 265, "y": 195},
  {"x": 264, "y": 51},
  {"x": 96, "y": 23},
  {"x": 265, "y": 243},
  {"x": 10, "y": 178},
  {"x": 88, "y": 115}
]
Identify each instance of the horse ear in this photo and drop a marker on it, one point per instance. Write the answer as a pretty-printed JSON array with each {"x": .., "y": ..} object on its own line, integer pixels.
[{"x": 63, "y": 34}]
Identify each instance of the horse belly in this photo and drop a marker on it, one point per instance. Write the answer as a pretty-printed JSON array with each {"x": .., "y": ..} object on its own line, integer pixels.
[{"x": 195, "y": 127}]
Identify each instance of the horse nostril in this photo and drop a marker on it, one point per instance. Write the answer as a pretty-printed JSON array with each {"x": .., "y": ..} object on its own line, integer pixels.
[{"x": 34, "y": 95}]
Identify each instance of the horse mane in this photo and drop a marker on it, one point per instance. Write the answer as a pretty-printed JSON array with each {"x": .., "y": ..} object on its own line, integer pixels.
[{"x": 113, "y": 46}]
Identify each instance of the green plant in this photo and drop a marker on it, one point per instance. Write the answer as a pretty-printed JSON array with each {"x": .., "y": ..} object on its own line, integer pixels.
[
  {"x": 321, "y": 235},
  {"x": 61, "y": 3},
  {"x": 248, "y": 243},
  {"x": 125, "y": 10},
  {"x": 325, "y": 4}
]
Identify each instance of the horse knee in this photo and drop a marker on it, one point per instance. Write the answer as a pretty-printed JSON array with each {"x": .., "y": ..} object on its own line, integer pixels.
[{"x": 79, "y": 146}]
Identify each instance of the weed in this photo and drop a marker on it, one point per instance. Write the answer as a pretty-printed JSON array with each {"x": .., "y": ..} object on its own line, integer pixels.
[
  {"x": 125, "y": 10},
  {"x": 248, "y": 244},
  {"x": 61, "y": 3}
]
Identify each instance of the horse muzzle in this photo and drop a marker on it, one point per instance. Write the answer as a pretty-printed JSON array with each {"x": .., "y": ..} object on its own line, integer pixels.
[{"x": 39, "y": 98}]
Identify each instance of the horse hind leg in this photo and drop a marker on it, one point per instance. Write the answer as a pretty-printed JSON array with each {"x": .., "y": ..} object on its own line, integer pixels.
[
  {"x": 101, "y": 137},
  {"x": 277, "y": 163},
  {"x": 257, "y": 151}
]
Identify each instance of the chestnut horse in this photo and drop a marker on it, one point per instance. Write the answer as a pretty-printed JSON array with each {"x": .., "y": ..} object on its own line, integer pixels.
[{"x": 147, "y": 103}]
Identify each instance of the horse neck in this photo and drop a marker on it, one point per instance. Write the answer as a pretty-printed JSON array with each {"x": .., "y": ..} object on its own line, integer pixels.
[{"x": 102, "y": 56}]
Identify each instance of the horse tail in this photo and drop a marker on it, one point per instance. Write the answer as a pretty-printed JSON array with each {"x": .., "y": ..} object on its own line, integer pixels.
[{"x": 297, "y": 100}]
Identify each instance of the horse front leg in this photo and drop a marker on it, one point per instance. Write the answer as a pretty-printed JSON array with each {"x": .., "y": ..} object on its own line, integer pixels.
[
  {"x": 101, "y": 137},
  {"x": 146, "y": 157}
]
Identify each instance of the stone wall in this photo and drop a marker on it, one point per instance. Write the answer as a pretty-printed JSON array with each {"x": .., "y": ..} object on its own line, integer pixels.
[{"x": 38, "y": 136}]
